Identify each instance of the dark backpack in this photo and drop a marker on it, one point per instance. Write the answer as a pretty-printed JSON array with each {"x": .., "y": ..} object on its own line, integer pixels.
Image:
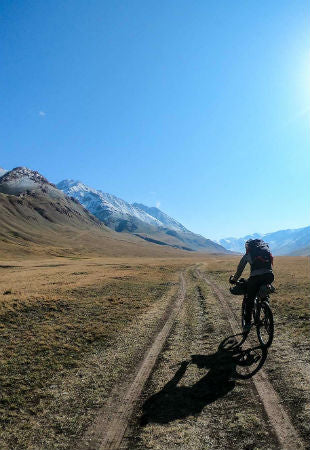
[{"x": 260, "y": 255}]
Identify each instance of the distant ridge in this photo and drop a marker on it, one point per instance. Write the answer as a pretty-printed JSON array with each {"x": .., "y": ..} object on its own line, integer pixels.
[{"x": 284, "y": 242}]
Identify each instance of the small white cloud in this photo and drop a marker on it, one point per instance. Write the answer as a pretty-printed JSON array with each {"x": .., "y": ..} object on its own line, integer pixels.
[
  {"x": 157, "y": 204},
  {"x": 42, "y": 113}
]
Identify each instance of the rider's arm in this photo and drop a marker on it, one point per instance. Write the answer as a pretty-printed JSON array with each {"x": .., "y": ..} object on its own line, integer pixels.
[{"x": 241, "y": 266}]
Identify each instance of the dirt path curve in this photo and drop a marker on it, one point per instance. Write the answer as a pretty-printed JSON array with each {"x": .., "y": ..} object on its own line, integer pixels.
[
  {"x": 109, "y": 429},
  {"x": 287, "y": 435}
]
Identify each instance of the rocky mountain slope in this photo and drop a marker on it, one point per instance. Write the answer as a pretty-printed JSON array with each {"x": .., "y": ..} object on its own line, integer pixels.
[
  {"x": 147, "y": 223},
  {"x": 284, "y": 242}
]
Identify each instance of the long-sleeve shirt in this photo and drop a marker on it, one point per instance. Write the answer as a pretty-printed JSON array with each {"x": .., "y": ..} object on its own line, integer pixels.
[{"x": 246, "y": 258}]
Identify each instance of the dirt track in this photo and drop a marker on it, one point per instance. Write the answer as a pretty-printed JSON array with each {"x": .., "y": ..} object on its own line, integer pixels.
[
  {"x": 109, "y": 429},
  {"x": 117, "y": 425}
]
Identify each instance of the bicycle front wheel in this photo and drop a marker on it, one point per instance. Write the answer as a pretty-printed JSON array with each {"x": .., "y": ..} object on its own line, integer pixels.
[{"x": 265, "y": 326}]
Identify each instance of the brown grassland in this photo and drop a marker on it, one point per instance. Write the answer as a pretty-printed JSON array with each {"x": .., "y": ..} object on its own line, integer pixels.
[{"x": 72, "y": 328}]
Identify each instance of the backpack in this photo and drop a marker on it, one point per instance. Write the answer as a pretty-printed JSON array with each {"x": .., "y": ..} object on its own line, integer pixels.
[{"x": 260, "y": 255}]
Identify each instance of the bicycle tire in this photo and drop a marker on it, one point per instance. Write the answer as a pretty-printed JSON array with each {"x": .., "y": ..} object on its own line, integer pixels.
[{"x": 265, "y": 325}]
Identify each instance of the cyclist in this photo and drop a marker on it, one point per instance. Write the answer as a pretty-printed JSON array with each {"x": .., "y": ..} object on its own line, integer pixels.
[{"x": 260, "y": 259}]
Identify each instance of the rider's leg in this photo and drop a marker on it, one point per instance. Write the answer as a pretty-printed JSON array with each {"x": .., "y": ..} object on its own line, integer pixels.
[
  {"x": 267, "y": 278},
  {"x": 253, "y": 286}
]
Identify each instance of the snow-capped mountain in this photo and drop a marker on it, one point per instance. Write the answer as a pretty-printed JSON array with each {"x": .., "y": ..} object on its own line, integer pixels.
[
  {"x": 164, "y": 219},
  {"x": 283, "y": 242},
  {"x": 106, "y": 207},
  {"x": 149, "y": 224},
  {"x": 237, "y": 244}
]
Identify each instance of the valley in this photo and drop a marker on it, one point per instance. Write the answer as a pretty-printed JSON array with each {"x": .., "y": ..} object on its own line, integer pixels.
[{"x": 75, "y": 331}]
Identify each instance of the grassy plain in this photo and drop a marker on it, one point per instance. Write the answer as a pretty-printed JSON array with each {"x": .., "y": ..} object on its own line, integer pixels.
[
  {"x": 54, "y": 314},
  {"x": 71, "y": 328}
]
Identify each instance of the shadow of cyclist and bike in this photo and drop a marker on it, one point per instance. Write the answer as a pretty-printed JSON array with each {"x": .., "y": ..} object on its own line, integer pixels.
[{"x": 228, "y": 364}]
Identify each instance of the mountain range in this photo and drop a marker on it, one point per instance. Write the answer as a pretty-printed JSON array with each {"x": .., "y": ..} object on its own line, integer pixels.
[
  {"x": 148, "y": 223},
  {"x": 36, "y": 216},
  {"x": 34, "y": 212},
  {"x": 283, "y": 242}
]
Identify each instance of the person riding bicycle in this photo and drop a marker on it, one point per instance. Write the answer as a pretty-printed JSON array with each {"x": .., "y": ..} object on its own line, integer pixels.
[{"x": 260, "y": 259}]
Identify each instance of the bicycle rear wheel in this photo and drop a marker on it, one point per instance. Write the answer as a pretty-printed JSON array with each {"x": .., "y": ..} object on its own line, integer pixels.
[{"x": 265, "y": 326}]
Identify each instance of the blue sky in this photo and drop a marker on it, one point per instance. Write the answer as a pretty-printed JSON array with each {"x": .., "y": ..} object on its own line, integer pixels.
[{"x": 201, "y": 107}]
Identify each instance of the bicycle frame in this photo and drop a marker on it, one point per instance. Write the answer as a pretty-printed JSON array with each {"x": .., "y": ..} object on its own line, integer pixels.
[
  {"x": 261, "y": 306},
  {"x": 258, "y": 301}
]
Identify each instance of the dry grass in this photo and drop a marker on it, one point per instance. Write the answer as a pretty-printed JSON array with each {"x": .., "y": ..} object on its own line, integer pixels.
[
  {"x": 72, "y": 327},
  {"x": 54, "y": 313}
]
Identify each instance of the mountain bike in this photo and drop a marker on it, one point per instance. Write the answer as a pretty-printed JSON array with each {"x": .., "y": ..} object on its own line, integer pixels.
[{"x": 262, "y": 317}]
